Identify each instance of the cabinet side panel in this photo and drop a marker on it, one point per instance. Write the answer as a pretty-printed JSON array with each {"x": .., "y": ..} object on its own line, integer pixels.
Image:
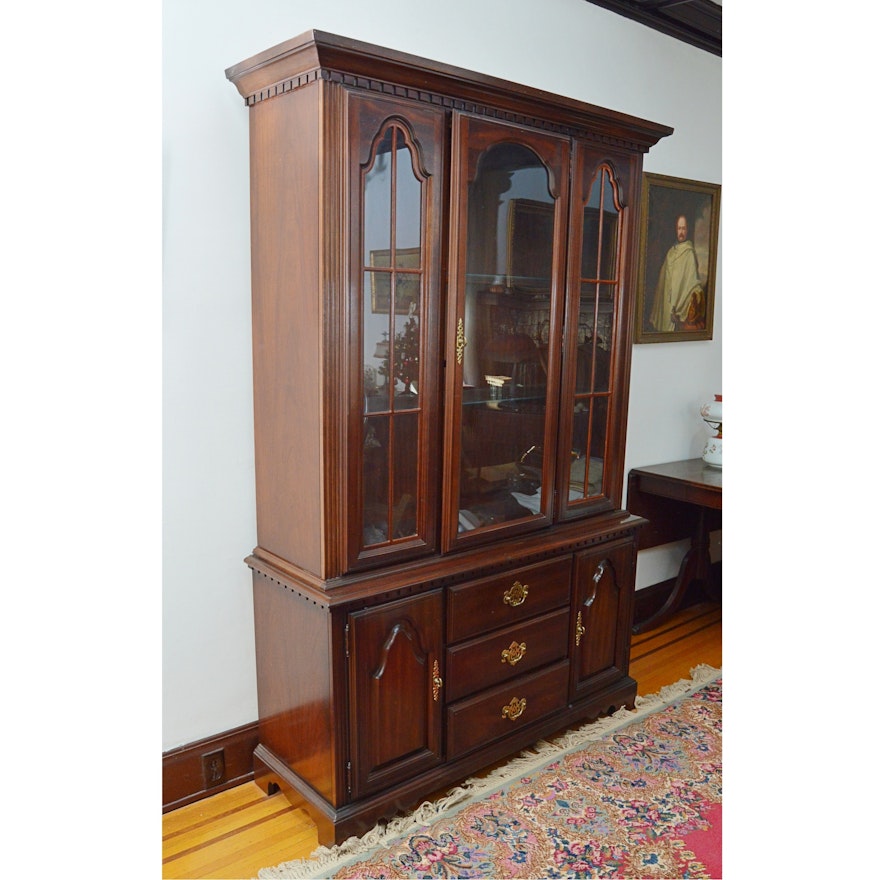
[
  {"x": 287, "y": 314},
  {"x": 293, "y": 642}
]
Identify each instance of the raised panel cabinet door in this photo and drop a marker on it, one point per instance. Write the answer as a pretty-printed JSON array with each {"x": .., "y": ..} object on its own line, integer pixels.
[
  {"x": 396, "y": 185},
  {"x": 597, "y": 330},
  {"x": 396, "y": 687},
  {"x": 509, "y": 218},
  {"x": 602, "y": 617}
]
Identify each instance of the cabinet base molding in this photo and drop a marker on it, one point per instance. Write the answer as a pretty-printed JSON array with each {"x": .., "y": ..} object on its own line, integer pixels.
[{"x": 336, "y": 825}]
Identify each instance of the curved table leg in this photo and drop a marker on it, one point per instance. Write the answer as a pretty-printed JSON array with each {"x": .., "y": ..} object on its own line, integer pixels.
[{"x": 694, "y": 567}]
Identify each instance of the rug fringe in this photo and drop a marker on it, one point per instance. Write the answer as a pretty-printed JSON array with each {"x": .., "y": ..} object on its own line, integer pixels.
[{"x": 529, "y": 760}]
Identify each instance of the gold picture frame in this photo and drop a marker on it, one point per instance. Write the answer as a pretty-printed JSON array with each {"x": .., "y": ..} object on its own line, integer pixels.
[
  {"x": 678, "y": 249},
  {"x": 530, "y": 244},
  {"x": 408, "y": 281}
]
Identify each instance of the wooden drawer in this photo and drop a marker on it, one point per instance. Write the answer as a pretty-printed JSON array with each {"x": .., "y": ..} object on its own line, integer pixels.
[
  {"x": 477, "y": 607},
  {"x": 504, "y": 709},
  {"x": 480, "y": 663}
]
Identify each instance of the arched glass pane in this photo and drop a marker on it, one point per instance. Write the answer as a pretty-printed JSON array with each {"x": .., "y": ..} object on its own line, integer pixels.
[
  {"x": 408, "y": 214},
  {"x": 391, "y": 332},
  {"x": 610, "y": 225},
  {"x": 377, "y": 200},
  {"x": 508, "y": 284},
  {"x": 595, "y": 338},
  {"x": 601, "y": 230}
]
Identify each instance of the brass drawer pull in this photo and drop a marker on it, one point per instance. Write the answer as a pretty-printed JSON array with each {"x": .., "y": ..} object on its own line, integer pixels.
[
  {"x": 514, "y": 709},
  {"x": 437, "y": 682},
  {"x": 516, "y": 595},
  {"x": 579, "y": 631},
  {"x": 514, "y": 653}
]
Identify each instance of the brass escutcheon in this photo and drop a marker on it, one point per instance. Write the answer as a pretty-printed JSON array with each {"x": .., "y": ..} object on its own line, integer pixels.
[
  {"x": 514, "y": 653},
  {"x": 514, "y": 709},
  {"x": 460, "y": 341},
  {"x": 579, "y": 631},
  {"x": 437, "y": 682},
  {"x": 516, "y": 595}
]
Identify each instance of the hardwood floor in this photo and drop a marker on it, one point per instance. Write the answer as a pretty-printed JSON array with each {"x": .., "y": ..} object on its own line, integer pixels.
[{"x": 235, "y": 833}]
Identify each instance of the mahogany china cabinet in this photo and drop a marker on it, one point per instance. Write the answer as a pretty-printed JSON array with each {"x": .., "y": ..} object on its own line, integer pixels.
[{"x": 442, "y": 282}]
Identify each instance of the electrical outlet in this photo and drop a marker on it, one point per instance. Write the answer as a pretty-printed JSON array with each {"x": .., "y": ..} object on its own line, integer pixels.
[{"x": 213, "y": 768}]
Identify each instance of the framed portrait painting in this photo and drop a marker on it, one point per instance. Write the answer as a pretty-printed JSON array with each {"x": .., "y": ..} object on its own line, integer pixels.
[{"x": 678, "y": 249}]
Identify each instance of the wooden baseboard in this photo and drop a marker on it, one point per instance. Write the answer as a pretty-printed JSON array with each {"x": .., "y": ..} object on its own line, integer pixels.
[{"x": 208, "y": 766}]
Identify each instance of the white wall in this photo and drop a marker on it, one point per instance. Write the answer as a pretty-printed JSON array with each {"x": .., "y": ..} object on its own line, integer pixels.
[{"x": 564, "y": 46}]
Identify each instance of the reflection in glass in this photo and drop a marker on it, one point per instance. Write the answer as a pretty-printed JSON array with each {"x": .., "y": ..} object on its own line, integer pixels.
[
  {"x": 377, "y": 199},
  {"x": 391, "y": 334},
  {"x": 408, "y": 224},
  {"x": 595, "y": 338},
  {"x": 508, "y": 284},
  {"x": 405, "y": 358}
]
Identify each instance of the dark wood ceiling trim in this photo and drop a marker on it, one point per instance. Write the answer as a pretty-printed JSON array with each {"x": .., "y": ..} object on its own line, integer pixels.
[{"x": 696, "y": 22}]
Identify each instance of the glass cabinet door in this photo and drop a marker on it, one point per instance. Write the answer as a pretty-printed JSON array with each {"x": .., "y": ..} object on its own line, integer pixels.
[
  {"x": 504, "y": 328},
  {"x": 588, "y": 415},
  {"x": 396, "y": 192}
]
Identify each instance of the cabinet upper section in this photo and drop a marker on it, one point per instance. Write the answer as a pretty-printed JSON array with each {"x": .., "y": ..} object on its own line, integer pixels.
[
  {"x": 441, "y": 272},
  {"x": 319, "y": 55}
]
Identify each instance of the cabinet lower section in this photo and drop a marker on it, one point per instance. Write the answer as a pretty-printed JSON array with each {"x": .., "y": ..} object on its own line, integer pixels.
[
  {"x": 337, "y": 824},
  {"x": 380, "y": 690}
]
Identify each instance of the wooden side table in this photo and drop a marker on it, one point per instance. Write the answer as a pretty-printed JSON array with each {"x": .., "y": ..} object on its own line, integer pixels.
[{"x": 681, "y": 499}]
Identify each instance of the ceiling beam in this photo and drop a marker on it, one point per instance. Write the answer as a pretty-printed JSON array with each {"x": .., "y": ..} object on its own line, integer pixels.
[{"x": 696, "y": 22}]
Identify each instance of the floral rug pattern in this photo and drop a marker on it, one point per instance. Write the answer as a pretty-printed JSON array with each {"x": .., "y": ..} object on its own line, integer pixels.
[{"x": 623, "y": 806}]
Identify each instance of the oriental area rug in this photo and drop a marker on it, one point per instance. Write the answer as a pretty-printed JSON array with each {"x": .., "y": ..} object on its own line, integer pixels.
[{"x": 633, "y": 795}]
